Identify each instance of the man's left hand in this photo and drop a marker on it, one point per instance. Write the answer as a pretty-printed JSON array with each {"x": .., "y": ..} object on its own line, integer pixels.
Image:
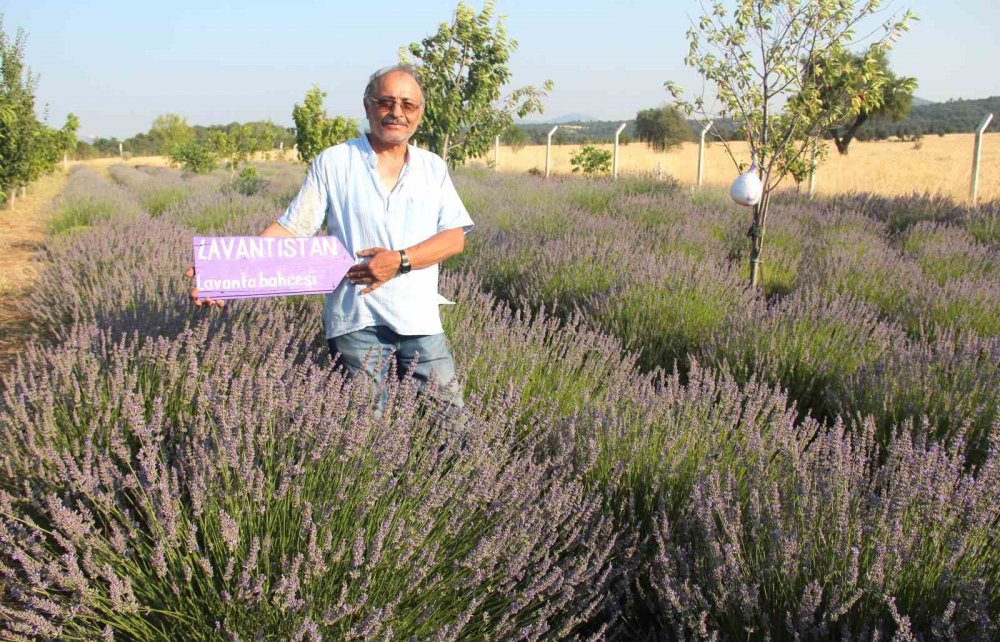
[{"x": 382, "y": 265}]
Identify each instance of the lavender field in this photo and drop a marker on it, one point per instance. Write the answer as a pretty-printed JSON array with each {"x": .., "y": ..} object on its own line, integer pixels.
[{"x": 651, "y": 450}]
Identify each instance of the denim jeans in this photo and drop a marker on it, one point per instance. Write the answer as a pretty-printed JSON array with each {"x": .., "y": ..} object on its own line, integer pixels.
[{"x": 374, "y": 349}]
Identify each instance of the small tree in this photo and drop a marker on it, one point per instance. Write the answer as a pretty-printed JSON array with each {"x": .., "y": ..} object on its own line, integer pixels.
[
  {"x": 889, "y": 99},
  {"x": 662, "y": 127},
  {"x": 764, "y": 54},
  {"x": 169, "y": 132},
  {"x": 464, "y": 68},
  {"x": 314, "y": 131},
  {"x": 195, "y": 157},
  {"x": 591, "y": 160},
  {"x": 67, "y": 135},
  {"x": 515, "y": 137},
  {"x": 18, "y": 124}
]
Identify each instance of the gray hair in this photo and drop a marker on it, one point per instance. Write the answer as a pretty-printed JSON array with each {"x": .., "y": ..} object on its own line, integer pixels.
[{"x": 411, "y": 70}]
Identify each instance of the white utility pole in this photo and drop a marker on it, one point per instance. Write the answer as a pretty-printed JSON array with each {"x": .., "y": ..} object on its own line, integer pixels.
[
  {"x": 121, "y": 152},
  {"x": 974, "y": 188},
  {"x": 701, "y": 150},
  {"x": 614, "y": 163},
  {"x": 548, "y": 150},
  {"x": 496, "y": 155}
]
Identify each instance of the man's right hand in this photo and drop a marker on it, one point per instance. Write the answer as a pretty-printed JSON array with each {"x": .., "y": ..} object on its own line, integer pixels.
[{"x": 194, "y": 294}]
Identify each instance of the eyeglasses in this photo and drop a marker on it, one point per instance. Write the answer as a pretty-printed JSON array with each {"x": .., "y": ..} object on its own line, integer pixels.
[{"x": 387, "y": 105}]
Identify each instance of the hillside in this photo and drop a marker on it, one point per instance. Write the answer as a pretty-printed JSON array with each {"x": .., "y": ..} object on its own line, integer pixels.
[
  {"x": 951, "y": 117},
  {"x": 926, "y": 118}
]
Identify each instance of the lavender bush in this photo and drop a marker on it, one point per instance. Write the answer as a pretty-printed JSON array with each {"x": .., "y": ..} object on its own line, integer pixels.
[
  {"x": 224, "y": 488},
  {"x": 665, "y": 275},
  {"x": 188, "y": 471},
  {"x": 812, "y": 343},
  {"x": 88, "y": 200},
  {"x": 948, "y": 380},
  {"x": 815, "y": 539}
]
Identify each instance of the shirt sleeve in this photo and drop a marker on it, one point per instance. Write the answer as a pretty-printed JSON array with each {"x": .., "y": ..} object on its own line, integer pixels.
[
  {"x": 453, "y": 213},
  {"x": 307, "y": 211}
]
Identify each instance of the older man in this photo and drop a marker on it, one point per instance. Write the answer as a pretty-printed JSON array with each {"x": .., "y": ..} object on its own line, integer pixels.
[{"x": 394, "y": 206}]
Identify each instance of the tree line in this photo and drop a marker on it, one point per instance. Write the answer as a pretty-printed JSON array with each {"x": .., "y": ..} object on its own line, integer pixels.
[{"x": 169, "y": 131}]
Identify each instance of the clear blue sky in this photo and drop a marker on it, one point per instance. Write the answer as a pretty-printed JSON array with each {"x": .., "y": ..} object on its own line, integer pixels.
[{"x": 118, "y": 64}]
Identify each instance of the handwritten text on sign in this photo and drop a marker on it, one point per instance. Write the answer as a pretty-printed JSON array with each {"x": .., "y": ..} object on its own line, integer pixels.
[{"x": 237, "y": 267}]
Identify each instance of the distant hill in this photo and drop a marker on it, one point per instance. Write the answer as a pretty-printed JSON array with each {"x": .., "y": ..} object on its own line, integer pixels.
[
  {"x": 573, "y": 118},
  {"x": 950, "y": 117},
  {"x": 559, "y": 120},
  {"x": 578, "y": 132},
  {"x": 926, "y": 118}
]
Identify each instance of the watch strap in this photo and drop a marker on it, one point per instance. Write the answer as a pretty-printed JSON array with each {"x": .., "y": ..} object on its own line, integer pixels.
[{"x": 404, "y": 262}]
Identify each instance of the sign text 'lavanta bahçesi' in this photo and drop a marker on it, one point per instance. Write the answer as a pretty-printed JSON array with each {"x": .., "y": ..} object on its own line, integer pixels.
[{"x": 239, "y": 267}]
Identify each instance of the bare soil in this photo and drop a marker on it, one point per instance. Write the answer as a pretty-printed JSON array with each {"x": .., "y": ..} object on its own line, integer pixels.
[{"x": 22, "y": 233}]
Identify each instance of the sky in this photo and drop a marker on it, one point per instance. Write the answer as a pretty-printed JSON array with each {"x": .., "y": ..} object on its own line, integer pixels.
[{"x": 118, "y": 64}]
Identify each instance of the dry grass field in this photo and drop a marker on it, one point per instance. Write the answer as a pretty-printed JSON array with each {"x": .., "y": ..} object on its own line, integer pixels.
[{"x": 940, "y": 165}]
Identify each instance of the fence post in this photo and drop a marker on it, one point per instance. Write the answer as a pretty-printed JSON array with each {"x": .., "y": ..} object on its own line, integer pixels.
[
  {"x": 496, "y": 155},
  {"x": 614, "y": 163},
  {"x": 548, "y": 150},
  {"x": 701, "y": 150},
  {"x": 974, "y": 188}
]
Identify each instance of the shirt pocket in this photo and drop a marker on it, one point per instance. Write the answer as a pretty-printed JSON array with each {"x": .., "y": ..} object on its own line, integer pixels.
[{"x": 420, "y": 216}]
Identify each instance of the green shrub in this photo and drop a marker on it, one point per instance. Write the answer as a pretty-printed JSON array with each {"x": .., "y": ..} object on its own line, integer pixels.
[
  {"x": 590, "y": 160},
  {"x": 194, "y": 157}
]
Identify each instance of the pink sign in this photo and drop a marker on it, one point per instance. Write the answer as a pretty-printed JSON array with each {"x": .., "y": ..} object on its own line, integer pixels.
[{"x": 240, "y": 267}]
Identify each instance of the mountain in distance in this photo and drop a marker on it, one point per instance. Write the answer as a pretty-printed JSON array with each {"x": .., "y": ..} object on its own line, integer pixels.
[
  {"x": 921, "y": 102},
  {"x": 566, "y": 118}
]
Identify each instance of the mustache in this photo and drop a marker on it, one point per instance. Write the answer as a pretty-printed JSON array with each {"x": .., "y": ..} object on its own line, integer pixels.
[{"x": 391, "y": 120}]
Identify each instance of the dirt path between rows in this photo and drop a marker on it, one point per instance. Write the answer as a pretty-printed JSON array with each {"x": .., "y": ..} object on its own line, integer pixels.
[{"x": 22, "y": 234}]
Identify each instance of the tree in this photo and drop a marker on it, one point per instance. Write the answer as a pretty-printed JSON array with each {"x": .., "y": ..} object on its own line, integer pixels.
[
  {"x": 762, "y": 54},
  {"x": 464, "y": 69},
  {"x": 18, "y": 125},
  {"x": 194, "y": 157},
  {"x": 169, "y": 132},
  {"x": 591, "y": 160},
  {"x": 515, "y": 137},
  {"x": 890, "y": 99},
  {"x": 314, "y": 131},
  {"x": 662, "y": 127},
  {"x": 67, "y": 135}
]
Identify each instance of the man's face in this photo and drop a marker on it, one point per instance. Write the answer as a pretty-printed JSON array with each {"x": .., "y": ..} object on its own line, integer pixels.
[{"x": 393, "y": 125}]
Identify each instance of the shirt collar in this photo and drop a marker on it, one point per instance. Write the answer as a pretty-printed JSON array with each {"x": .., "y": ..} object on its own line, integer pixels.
[{"x": 372, "y": 157}]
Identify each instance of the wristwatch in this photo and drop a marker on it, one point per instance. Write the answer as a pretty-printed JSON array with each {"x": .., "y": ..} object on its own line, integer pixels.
[{"x": 404, "y": 262}]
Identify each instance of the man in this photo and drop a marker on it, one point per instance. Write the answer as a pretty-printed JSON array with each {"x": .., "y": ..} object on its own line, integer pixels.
[{"x": 393, "y": 206}]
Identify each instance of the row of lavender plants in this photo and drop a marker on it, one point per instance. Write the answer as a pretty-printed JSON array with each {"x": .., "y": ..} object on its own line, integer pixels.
[
  {"x": 169, "y": 473},
  {"x": 874, "y": 307}
]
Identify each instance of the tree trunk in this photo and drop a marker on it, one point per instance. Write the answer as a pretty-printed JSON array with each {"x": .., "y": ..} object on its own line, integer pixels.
[
  {"x": 756, "y": 235},
  {"x": 842, "y": 142},
  {"x": 444, "y": 148},
  {"x": 12, "y": 198}
]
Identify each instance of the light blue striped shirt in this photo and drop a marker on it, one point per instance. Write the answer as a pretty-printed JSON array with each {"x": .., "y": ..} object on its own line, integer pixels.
[{"x": 343, "y": 188}]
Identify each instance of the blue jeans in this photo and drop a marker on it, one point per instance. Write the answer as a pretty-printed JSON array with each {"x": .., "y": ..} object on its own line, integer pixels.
[{"x": 374, "y": 349}]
